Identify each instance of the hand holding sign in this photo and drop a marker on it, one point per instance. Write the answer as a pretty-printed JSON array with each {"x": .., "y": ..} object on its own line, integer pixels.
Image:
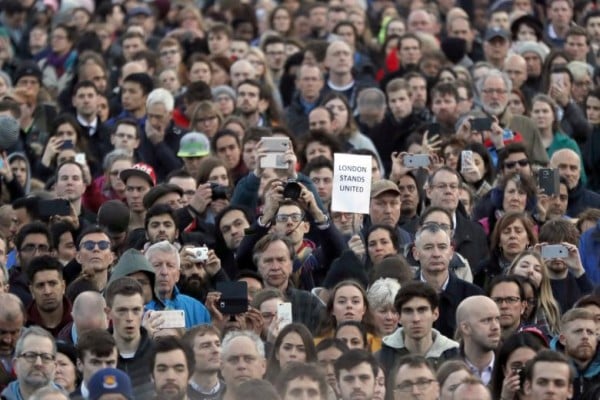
[{"x": 351, "y": 183}]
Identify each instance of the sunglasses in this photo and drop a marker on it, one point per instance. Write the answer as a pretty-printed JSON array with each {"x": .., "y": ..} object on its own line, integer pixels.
[
  {"x": 511, "y": 164},
  {"x": 90, "y": 245}
]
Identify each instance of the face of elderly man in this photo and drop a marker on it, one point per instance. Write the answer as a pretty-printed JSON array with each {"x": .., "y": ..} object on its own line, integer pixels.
[
  {"x": 371, "y": 106},
  {"x": 494, "y": 95}
]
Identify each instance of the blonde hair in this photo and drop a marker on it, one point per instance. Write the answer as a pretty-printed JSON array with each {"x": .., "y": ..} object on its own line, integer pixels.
[{"x": 546, "y": 301}]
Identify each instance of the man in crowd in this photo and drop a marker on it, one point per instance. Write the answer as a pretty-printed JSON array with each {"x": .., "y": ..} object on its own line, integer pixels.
[
  {"x": 355, "y": 372},
  {"x": 309, "y": 82},
  {"x": 508, "y": 293},
  {"x": 242, "y": 359},
  {"x": 12, "y": 320},
  {"x": 301, "y": 379},
  {"x": 549, "y": 375},
  {"x": 414, "y": 374},
  {"x": 172, "y": 363},
  {"x": 205, "y": 341},
  {"x": 88, "y": 312}
]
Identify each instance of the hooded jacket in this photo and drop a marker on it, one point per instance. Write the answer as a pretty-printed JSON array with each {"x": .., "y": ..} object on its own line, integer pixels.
[
  {"x": 584, "y": 379},
  {"x": 393, "y": 348},
  {"x": 138, "y": 367},
  {"x": 130, "y": 262}
]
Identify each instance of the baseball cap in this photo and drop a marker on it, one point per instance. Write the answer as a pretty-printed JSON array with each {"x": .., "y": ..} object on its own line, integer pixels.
[
  {"x": 113, "y": 215},
  {"x": 159, "y": 191},
  {"x": 110, "y": 380},
  {"x": 496, "y": 32},
  {"x": 194, "y": 144},
  {"x": 382, "y": 186},
  {"x": 142, "y": 170},
  {"x": 139, "y": 11}
]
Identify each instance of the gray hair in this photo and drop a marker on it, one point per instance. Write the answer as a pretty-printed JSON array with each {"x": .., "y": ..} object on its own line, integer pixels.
[
  {"x": 371, "y": 97},
  {"x": 494, "y": 73},
  {"x": 163, "y": 247},
  {"x": 580, "y": 69},
  {"x": 162, "y": 96},
  {"x": 12, "y": 307},
  {"x": 46, "y": 391},
  {"x": 33, "y": 331},
  {"x": 258, "y": 343},
  {"x": 114, "y": 156},
  {"x": 382, "y": 293},
  {"x": 429, "y": 228},
  {"x": 89, "y": 302}
]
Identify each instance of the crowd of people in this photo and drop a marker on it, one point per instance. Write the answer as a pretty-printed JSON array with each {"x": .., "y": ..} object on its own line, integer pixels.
[{"x": 166, "y": 224}]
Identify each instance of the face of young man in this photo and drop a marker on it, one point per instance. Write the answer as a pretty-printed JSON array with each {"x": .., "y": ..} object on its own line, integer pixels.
[
  {"x": 85, "y": 101},
  {"x": 303, "y": 388},
  {"x": 549, "y": 380},
  {"x": 48, "y": 289},
  {"x": 233, "y": 226},
  {"x": 91, "y": 363},
  {"x": 170, "y": 375},
  {"x": 357, "y": 383},
  {"x": 207, "y": 352},
  {"x": 126, "y": 315},
  {"x": 161, "y": 227},
  {"x": 69, "y": 183},
  {"x": 417, "y": 318}
]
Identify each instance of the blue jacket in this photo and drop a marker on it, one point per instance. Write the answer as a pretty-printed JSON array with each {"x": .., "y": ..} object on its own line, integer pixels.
[
  {"x": 589, "y": 249},
  {"x": 195, "y": 312},
  {"x": 584, "y": 379}
]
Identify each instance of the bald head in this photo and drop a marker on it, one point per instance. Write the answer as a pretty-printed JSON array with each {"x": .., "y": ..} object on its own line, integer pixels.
[
  {"x": 89, "y": 311},
  {"x": 240, "y": 71},
  {"x": 12, "y": 307},
  {"x": 469, "y": 306},
  {"x": 515, "y": 67},
  {"x": 568, "y": 164},
  {"x": 478, "y": 322},
  {"x": 471, "y": 389}
]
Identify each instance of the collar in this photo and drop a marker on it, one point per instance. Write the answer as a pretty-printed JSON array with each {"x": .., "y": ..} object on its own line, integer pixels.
[
  {"x": 205, "y": 391},
  {"x": 444, "y": 286},
  {"x": 340, "y": 88},
  {"x": 92, "y": 126},
  {"x": 74, "y": 335},
  {"x": 85, "y": 393},
  {"x": 487, "y": 370}
]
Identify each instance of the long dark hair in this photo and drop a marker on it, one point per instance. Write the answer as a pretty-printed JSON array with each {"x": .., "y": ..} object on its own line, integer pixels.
[{"x": 273, "y": 364}]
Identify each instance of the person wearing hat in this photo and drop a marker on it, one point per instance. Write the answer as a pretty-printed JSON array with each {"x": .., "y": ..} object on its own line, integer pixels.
[
  {"x": 113, "y": 217},
  {"x": 133, "y": 264},
  {"x": 193, "y": 146},
  {"x": 496, "y": 43},
  {"x": 225, "y": 97},
  {"x": 138, "y": 180},
  {"x": 110, "y": 381},
  {"x": 534, "y": 54}
]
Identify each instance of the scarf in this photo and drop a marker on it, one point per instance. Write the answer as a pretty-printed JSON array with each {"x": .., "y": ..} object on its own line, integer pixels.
[{"x": 304, "y": 264}]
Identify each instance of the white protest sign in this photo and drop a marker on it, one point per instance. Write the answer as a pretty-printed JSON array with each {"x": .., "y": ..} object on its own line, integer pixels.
[{"x": 351, "y": 183}]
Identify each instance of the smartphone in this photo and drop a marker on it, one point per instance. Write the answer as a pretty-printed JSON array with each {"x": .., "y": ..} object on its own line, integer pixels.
[
  {"x": 521, "y": 373},
  {"x": 554, "y": 251},
  {"x": 80, "y": 158},
  {"x": 284, "y": 313},
  {"x": 50, "y": 208},
  {"x": 549, "y": 181},
  {"x": 434, "y": 129},
  {"x": 416, "y": 160},
  {"x": 66, "y": 144},
  {"x": 273, "y": 160},
  {"x": 234, "y": 297},
  {"x": 276, "y": 144},
  {"x": 172, "y": 318},
  {"x": 466, "y": 160},
  {"x": 481, "y": 124}
]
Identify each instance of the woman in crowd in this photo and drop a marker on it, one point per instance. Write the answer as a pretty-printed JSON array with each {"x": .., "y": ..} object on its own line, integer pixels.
[
  {"x": 517, "y": 105},
  {"x": 530, "y": 264},
  {"x": 451, "y": 149},
  {"x": 449, "y": 375},
  {"x": 509, "y": 365},
  {"x": 199, "y": 68},
  {"x": 206, "y": 118},
  {"x": 480, "y": 174},
  {"x": 353, "y": 333},
  {"x": 58, "y": 66},
  {"x": 67, "y": 375},
  {"x": 109, "y": 185},
  {"x": 213, "y": 170},
  {"x": 514, "y": 233},
  {"x": 318, "y": 143},
  {"x": 280, "y": 21},
  {"x": 382, "y": 242},
  {"x": 381, "y": 295},
  {"x": 294, "y": 343}
]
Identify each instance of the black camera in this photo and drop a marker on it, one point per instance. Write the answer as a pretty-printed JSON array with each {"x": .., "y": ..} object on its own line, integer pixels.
[
  {"x": 219, "y": 192},
  {"x": 292, "y": 190}
]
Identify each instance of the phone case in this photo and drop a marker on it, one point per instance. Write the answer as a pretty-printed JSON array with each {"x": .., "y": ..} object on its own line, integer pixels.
[
  {"x": 172, "y": 319},
  {"x": 284, "y": 313}
]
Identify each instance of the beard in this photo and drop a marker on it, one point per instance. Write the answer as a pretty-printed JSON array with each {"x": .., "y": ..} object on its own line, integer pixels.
[
  {"x": 493, "y": 109},
  {"x": 192, "y": 285}
]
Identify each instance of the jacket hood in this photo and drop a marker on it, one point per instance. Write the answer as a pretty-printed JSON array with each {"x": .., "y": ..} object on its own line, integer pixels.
[
  {"x": 440, "y": 342},
  {"x": 130, "y": 262},
  {"x": 593, "y": 368},
  {"x": 22, "y": 156}
]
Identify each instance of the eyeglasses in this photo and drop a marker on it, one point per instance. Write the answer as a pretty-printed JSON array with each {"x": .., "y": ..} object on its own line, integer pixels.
[
  {"x": 296, "y": 217},
  {"x": 32, "y": 248},
  {"x": 444, "y": 227},
  {"x": 494, "y": 91},
  {"x": 420, "y": 384},
  {"x": 508, "y": 300},
  {"x": 511, "y": 164},
  {"x": 115, "y": 173},
  {"x": 32, "y": 357},
  {"x": 531, "y": 301},
  {"x": 90, "y": 245}
]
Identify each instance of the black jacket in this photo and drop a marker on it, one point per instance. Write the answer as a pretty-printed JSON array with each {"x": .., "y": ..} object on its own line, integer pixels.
[
  {"x": 163, "y": 155},
  {"x": 138, "y": 367},
  {"x": 470, "y": 240},
  {"x": 296, "y": 117},
  {"x": 581, "y": 198}
]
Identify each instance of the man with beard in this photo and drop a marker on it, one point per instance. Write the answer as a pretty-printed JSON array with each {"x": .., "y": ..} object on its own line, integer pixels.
[
  {"x": 409, "y": 203},
  {"x": 172, "y": 364},
  {"x": 444, "y": 102},
  {"x": 508, "y": 293},
  {"x": 494, "y": 89},
  {"x": 34, "y": 364},
  {"x": 160, "y": 224},
  {"x": 125, "y": 307},
  {"x": 478, "y": 320},
  {"x": 355, "y": 372},
  {"x": 12, "y": 319},
  {"x": 568, "y": 277},
  {"x": 50, "y": 308},
  {"x": 205, "y": 384},
  {"x": 242, "y": 359},
  {"x": 249, "y": 95},
  {"x": 198, "y": 277},
  {"x": 577, "y": 340}
]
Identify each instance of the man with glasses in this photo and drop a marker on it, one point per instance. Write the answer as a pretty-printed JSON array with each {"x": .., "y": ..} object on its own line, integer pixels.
[
  {"x": 94, "y": 254},
  {"x": 50, "y": 308},
  {"x": 34, "y": 363},
  {"x": 413, "y": 378},
  {"x": 126, "y": 136},
  {"x": 12, "y": 320},
  {"x": 508, "y": 293},
  {"x": 433, "y": 250},
  {"x": 355, "y": 372},
  {"x": 493, "y": 90},
  {"x": 32, "y": 240},
  {"x": 469, "y": 238}
]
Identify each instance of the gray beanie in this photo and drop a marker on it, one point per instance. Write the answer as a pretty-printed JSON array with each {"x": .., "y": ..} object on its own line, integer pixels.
[
  {"x": 532, "y": 47},
  {"x": 223, "y": 89}
]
